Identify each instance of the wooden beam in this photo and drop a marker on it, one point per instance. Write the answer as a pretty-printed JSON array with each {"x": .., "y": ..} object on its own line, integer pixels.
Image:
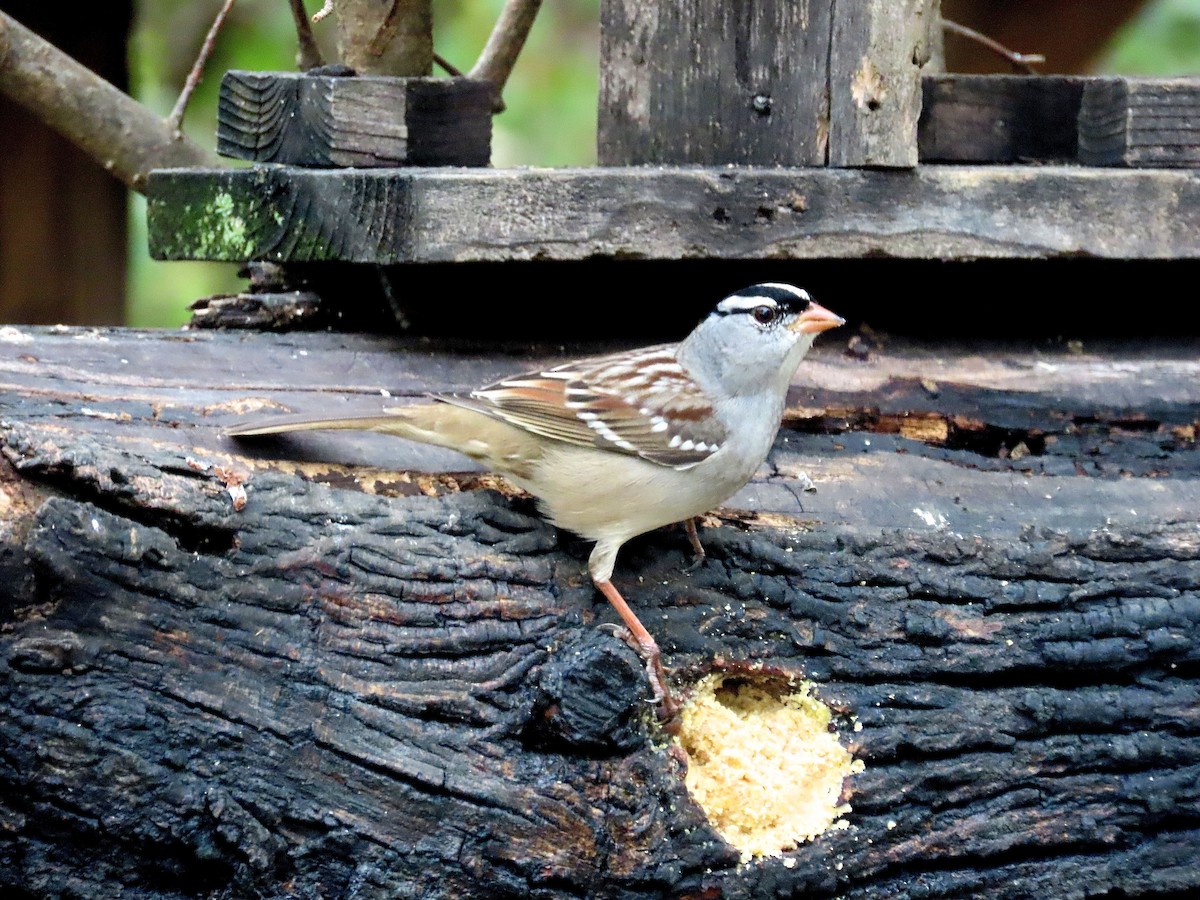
[
  {"x": 878, "y": 50},
  {"x": 1140, "y": 122},
  {"x": 1000, "y": 118},
  {"x": 399, "y": 216},
  {"x": 318, "y": 120},
  {"x": 278, "y": 668}
]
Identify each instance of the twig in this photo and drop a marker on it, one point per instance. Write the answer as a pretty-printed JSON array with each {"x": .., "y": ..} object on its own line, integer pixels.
[
  {"x": 387, "y": 30},
  {"x": 309, "y": 56},
  {"x": 123, "y": 136},
  {"x": 504, "y": 44},
  {"x": 448, "y": 67},
  {"x": 1023, "y": 61},
  {"x": 175, "y": 120},
  {"x": 323, "y": 11}
]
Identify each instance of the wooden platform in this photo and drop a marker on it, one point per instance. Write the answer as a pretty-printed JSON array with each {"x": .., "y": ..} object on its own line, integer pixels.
[
  {"x": 345, "y": 662},
  {"x": 390, "y": 216}
]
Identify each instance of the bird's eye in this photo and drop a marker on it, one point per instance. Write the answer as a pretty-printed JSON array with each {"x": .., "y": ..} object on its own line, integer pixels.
[{"x": 764, "y": 315}]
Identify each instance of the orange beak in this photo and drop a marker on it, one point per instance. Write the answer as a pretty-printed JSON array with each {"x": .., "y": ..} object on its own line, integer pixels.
[{"x": 816, "y": 319}]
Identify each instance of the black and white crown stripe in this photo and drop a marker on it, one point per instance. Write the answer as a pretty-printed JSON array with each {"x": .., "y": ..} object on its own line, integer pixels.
[{"x": 784, "y": 296}]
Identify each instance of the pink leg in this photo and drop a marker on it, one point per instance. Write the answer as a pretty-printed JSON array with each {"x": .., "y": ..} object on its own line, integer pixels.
[{"x": 668, "y": 709}]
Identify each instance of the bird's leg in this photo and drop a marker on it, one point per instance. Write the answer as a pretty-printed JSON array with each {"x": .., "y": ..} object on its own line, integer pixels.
[
  {"x": 698, "y": 554},
  {"x": 646, "y": 646}
]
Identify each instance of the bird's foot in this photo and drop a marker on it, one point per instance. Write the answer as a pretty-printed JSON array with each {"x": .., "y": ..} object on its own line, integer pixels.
[
  {"x": 665, "y": 704},
  {"x": 636, "y": 635}
]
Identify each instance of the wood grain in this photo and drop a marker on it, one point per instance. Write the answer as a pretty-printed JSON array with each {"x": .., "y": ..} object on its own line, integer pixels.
[
  {"x": 1140, "y": 122},
  {"x": 1000, "y": 118},
  {"x": 442, "y": 215},
  {"x": 366, "y": 676},
  {"x": 713, "y": 83},
  {"x": 877, "y": 52},
  {"x": 323, "y": 121}
]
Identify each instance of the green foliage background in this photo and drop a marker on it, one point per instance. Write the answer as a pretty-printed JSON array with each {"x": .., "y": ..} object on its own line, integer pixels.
[
  {"x": 550, "y": 119},
  {"x": 551, "y": 115}
]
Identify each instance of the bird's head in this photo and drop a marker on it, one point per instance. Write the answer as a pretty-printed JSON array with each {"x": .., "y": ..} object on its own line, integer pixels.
[{"x": 757, "y": 336}]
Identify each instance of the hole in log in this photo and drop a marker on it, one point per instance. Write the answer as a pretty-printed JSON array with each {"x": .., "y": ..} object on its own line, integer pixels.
[
  {"x": 998, "y": 443},
  {"x": 936, "y": 429},
  {"x": 764, "y": 762}
]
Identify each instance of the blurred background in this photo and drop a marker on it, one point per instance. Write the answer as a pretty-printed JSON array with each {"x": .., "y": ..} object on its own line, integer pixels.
[{"x": 72, "y": 240}]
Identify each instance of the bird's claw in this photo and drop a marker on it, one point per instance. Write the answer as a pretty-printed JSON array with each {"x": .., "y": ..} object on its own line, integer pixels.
[{"x": 666, "y": 706}]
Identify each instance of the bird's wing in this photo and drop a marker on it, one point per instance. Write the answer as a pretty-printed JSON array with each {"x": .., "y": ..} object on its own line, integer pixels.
[{"x": 638, "y": 402}]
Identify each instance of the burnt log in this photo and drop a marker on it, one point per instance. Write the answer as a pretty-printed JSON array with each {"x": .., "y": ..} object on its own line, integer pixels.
[{"x": 344, "y": 665}]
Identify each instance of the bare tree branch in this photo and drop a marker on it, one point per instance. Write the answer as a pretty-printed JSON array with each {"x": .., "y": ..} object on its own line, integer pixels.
[
  {"x": 504, "y": 44},
  {"x": 448, "y": 67},
  {"x": 394, "y": 39},
  {"x": 110, "y": 126},
  {"x": 309, "y": 55},
  {"x": 1023, "y": 61},
  {"x": 175, "y": 120}
]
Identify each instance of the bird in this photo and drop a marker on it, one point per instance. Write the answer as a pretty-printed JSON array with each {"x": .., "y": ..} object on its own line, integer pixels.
[{"x": 614, "y": 446}]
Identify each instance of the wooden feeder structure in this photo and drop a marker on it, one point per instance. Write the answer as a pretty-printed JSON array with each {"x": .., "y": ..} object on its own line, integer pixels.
[{"x": 944, "y": 645}]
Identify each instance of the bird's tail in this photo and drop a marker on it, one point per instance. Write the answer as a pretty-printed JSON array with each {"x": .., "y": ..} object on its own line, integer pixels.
[
  {"x": 418, "y": 423},
  {"x": 496, "y": 444}
]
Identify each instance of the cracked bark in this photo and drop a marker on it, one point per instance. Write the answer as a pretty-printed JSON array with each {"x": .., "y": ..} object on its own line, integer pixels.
[{"x": 389, "y": 680}]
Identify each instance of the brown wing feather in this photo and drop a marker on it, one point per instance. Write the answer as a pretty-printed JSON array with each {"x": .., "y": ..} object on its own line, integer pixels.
[{"x": 638, "y": 402}]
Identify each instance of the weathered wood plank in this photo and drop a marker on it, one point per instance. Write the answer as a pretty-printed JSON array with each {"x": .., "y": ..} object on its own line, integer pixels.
[
  {"x": 341, "y": 684},
  {"x": 934, "y": 212},
  {"x": 713, "y": 83},
  {"x": 1000, "y": 118},
  {"x": 324, "y": 121},
  {"x": 878, "y": 50},
  {"x": 1140, "y": 122}
]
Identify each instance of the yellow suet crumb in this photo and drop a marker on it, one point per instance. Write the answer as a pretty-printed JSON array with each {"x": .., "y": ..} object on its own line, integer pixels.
[{"x": 763, "y": 764}]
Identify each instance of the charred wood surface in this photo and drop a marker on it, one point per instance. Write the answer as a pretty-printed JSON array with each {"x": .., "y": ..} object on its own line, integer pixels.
[{"x": 345, "y": 665}]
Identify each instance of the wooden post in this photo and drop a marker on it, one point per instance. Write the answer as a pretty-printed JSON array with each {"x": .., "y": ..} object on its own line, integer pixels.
[
  {"x": 709, "y": 83},
  {"x": 878, "y": 50},
  {"x": 765, "y": 83}
]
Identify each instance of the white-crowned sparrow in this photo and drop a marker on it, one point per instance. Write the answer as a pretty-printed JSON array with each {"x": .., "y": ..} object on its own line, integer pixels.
[{"x": 614, "y": 446}]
